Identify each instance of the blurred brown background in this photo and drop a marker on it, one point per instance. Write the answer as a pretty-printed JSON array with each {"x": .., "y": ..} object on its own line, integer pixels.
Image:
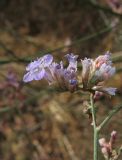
[{"x": 37, "y": 122}]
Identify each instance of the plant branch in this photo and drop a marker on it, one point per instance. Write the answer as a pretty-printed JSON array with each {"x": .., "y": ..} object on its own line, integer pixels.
[
  {"x": 100, "y": 7},
  {"x": 94, "y": 127},
  {"x": 110, "y": 115}
]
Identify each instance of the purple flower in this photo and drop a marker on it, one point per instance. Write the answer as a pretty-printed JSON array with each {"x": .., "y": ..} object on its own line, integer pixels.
[
  {"x": 102, "y": 68},
  {"x": 65, "y": 78},
  {"x": 103, "y": 59},
  {"x": 36, "y": 70},
  {"x": 72, "y": 59},
  {"x": 104, "y": 72},
  {"x": 111, "y": 91},
  {"x": 94, "y": 73},
  {"x": 54, "y": 73}
]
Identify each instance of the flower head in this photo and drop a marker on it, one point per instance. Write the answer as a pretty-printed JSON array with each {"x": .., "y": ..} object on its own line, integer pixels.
[
  {"x": 54, "y": 73},
  {"x": 96, "y": 72},
  {"x": 36, "y": 70},
  {"x": 65, "y": 78}
]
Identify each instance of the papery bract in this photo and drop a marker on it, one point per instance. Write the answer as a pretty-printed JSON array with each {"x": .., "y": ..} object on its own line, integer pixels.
[{"x": 96, "y": 72}]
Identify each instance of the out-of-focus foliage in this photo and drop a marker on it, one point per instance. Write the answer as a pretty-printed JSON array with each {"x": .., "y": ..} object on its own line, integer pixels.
[{"x": 36, "y": 121}]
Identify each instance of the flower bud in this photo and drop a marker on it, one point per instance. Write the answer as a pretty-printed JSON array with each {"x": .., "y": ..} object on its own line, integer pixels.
[{"x": 102, "y": 142}]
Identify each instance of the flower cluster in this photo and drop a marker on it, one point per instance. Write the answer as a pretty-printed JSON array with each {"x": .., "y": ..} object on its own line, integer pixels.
[
  {"x": 108, "y": 148},
  {"x": 54, "y": 73},
  {"x": 94, "y": 73}
]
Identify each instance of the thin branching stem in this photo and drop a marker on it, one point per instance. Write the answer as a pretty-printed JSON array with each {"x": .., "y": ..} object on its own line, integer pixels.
[
  {"x": 94, "y": 127},
  {"x": 101, "y": 7},
  {"x": 110, "y": 115}
]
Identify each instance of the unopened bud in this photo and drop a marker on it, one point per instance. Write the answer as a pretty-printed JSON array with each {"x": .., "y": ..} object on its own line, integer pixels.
[
  {"x": 113, "y": 134},
  {"x": 102, "y": 142},
  {"x": 105, "y": 152}
]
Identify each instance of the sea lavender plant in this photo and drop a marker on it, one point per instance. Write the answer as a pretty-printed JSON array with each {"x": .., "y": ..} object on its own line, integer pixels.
[{"x": 92, "y": 79}]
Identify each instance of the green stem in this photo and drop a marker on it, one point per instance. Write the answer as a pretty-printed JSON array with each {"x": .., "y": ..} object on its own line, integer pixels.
[
  {"x": 101, "y": 7},
  {"x": 110, "y": 115},
  {"x": 95, "y": 128}
]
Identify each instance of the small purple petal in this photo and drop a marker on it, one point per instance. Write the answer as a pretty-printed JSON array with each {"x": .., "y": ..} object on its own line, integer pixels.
[
  {"x": 33, "y": 65},
  {"x": 110, "y": 90},
  {"x": 73, "y": 82},
  {"x": 27, "y": 77},
  {"x": 72, "y": 62},
  {"x": 39, "y": 75},
  {"x": 71, "y": 57},
  {"x": 36, "y": 69},
  {"x": 47, "y": 59},
  {"x": 105, "y": 72}
]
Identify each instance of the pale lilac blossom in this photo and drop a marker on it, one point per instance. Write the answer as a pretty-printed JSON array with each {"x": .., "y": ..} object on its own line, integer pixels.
[
  {"x": 111, "y": 91},
  {"x": 36, "y": 70},
  {"x": 72, "y": 59},
  {"x": 64, "y": 78}
]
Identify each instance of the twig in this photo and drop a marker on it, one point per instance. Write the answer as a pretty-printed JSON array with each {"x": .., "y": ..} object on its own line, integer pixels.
[
  {"x": 100, "y": 7},
  {"x": 110, "y": 115},
  {"x": 69, "y": 148},
  {"x": 7, "y": 50},
  {"x": 117, "y": 58},
  {"x": 95, "y": 156}
]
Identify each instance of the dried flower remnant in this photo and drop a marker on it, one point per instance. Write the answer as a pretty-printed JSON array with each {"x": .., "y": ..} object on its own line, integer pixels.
[
  {"x": 86, "y": 68},
  {"x": 96, "y": 72}
]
